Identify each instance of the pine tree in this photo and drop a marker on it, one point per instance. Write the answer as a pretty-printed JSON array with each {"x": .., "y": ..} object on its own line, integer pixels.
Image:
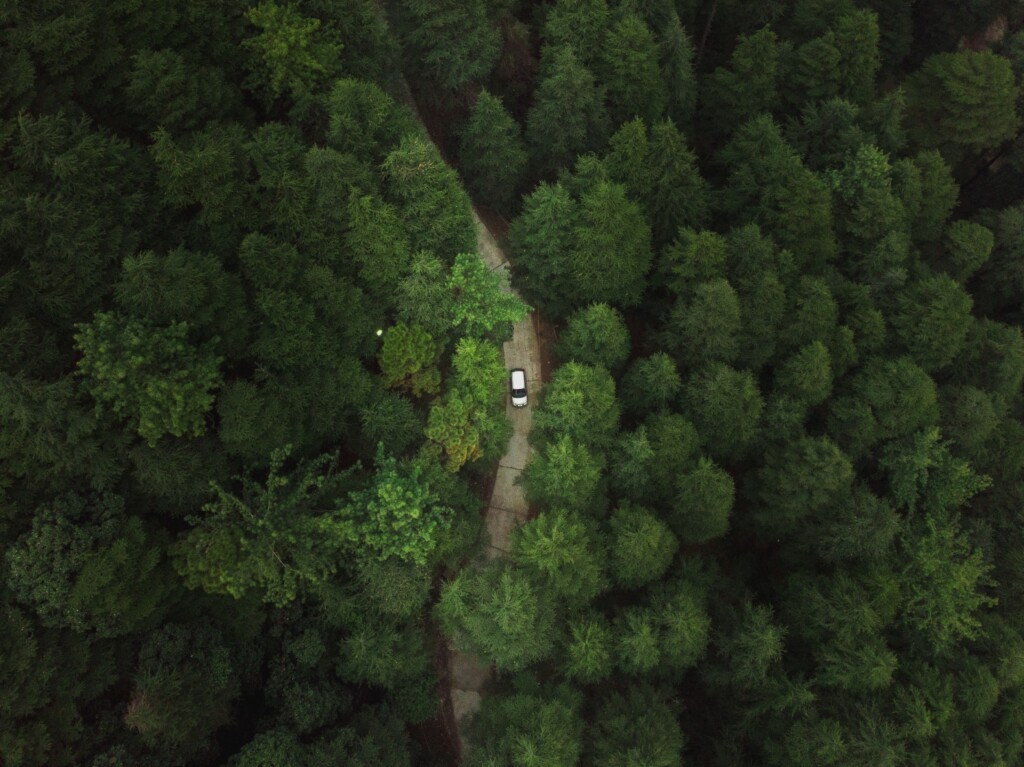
[{"x": 491, "y": 153}]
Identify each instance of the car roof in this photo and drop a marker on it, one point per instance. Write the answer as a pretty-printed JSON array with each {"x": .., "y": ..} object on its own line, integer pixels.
[{"x": 519, "y": 377}]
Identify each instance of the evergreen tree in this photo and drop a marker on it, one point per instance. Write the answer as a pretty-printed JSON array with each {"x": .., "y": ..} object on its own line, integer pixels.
[
  {"x": 453, "y": 42},
  {"x": 962, "y": 102},
  {"x": 568, "y": 115},
  {"x": 630, "y": 72},
  {"x": 491, "y": 153}
]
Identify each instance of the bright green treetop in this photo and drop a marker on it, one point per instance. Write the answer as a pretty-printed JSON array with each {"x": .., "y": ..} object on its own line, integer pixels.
[{"x": 150, "y": 375}]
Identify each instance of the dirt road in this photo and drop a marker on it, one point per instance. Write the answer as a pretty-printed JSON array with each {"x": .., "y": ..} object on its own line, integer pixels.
[{"x": 508, "y": 507}]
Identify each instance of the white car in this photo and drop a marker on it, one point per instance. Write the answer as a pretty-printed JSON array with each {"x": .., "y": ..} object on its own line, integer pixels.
[{"x": 518, "y": 385}]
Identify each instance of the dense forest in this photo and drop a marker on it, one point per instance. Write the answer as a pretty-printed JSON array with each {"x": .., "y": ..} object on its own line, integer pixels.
[{"x": 252, "y": 391}]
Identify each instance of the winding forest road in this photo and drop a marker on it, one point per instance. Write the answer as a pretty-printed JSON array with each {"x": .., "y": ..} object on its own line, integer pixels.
[{"x": 508, "y": 507}]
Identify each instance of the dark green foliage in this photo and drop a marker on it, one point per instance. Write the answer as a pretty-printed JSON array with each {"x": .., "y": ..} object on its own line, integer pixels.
[
  {"x": 568, "y": 115},
  {"x": 88, "y": 566},
  {"x": 259, "y": 247},
  {"x": 430, "y": 201},
  {"x": 725, "y": 406},
  {"x": 184, "y": 686},
  {"x": 630, "y": 73},
  {"x": 636, "y": 728},
  {"x": 595, "y": 336},
  {"x": 151, "y": 375},
  {"x": 962, "y": 102},
  {"x": 934, "y": 318},
  {"x": 273, "y": 537},
  {"x": 452, "y": 42},
  {"x": 580, "y": 403},
  {"x": 801, "y": 480},
  {"x": 500, "y": 613},
  {"x": 749, "y": 86},
  {"x": 491, "y": 153},
  {"x": 642, "y": 546},
  {"x": 650, "y": 384},
  {"x": 559, "y": 552},
  {"x": 612, "y": 249},
  {"x": 703, "y": 503},
  {"x": 545, "y": 727}
]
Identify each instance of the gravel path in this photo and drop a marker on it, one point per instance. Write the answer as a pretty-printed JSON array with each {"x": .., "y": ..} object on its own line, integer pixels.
[{"x": 508, "y": 508}]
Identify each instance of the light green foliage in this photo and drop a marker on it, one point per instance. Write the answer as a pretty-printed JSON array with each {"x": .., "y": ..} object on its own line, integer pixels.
[
  {"x": 637, "y": 636},
  {"x": 537, "y": 727},
  {"x": 725, "y": 406},
  {"x": 479, "y": 371},
  {"x": 642, "y": 546},
  {"x": 88, "y": 566},
  {"x": 452, "y": 425},
  {"x": 563, "y": 474},
  {"x": 491, "y": 153},
  {"x": 638, "y": 728},
  {"x": 399, "y": 515},
  {"x": 499, "y": 613},
  {"x": 151, "y": 375},
  {"x": 923, "y": 472},
  {"x": 703, "y": 503},
  {"x": 629, "y": 70},
  {"x": 596, "y": 335},
  {"x": 184, "y": 687},
  {"x": 650, "y": 384},
  {"x": 454, "y": 41},
  {"x": 429, "y": 199},
  {"x": 274, "y": 537},
  {"x": 291, "y": 54},
  {"x": 579, "y": 403},
  {"x": 558, "y": 550},
  {"x": 568, "y": 115},
  {"x": 933, "y": 321},
  {"x": 408, "y": 359},
  {"x": 588, "y": 650},
  {"x": 469, "y": 420},
  {"x": 943, "y": 580},
  {"x": 962, "y": 102},
  {"x": 482, "y": 301}
]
